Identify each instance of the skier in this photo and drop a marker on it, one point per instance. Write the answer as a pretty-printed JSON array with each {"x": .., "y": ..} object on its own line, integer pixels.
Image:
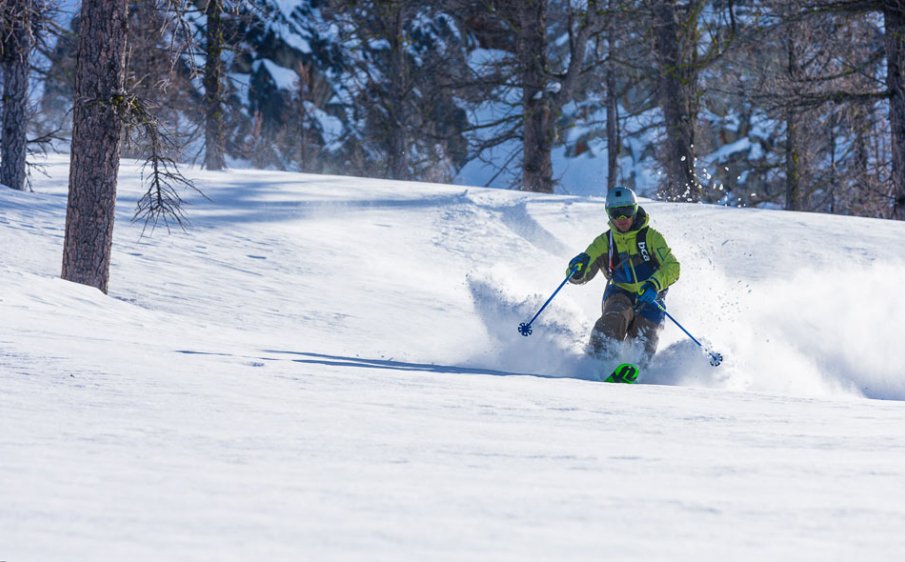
[{"x": 639, "y": 267}]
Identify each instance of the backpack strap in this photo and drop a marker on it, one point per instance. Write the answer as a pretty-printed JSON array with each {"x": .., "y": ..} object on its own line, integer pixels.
[
  {"x": 641, "y": 242},
  {"x": 612, "y": 264}
]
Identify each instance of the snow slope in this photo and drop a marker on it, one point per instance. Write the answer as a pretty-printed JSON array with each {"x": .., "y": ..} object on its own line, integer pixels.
[{"x": 328, "y": 368}]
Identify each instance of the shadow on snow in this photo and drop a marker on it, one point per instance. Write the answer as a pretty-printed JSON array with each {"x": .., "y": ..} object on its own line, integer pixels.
[{"x": 362, "y": 362}]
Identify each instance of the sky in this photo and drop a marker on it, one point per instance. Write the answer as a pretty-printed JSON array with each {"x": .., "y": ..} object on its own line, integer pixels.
[{"x": 328, "y": 368}]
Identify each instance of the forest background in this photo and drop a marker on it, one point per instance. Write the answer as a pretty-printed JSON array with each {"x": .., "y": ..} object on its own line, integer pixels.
[{"x": 765, "y": 103}]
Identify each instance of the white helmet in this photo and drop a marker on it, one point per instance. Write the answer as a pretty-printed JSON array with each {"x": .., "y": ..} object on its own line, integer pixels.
[{"x": 621, "y": 197}]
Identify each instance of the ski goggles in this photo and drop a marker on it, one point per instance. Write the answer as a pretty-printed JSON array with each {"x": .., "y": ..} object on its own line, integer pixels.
[{"x": 625, "y": 212}]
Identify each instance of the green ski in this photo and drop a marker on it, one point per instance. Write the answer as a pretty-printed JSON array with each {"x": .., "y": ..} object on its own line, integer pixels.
[{"x": 625, "y": 373}]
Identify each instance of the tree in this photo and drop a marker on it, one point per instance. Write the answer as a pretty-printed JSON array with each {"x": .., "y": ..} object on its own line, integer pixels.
[
  {"x": 613, "y": 132},
  {"x": 689, "y": 39},
  {"x": 391, "y": 20},
  {"x": 831, "y": 73},
  {"x": 546, "y": 54},
  {"x": 619, "y": 50},
  {"x": 892, "y": 50},
  {"x": 792, "y": 118},
  {"x": 894, "y": 20},
  {"x": 98, "y": 106},
  {"x": 400, "y": 59},
  {"x": 537, "y": 100},
  {"x": 15, "y": 47},
  {"x": 214, "y": 134},
  {"x": 675, "y": 48},
  {"x": 545, "y": 91},
  {"x": 156, "y": 72}
]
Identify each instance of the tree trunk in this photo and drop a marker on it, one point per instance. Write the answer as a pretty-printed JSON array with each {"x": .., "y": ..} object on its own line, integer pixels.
[
  {"x": 15, "y": 34},
  {"x": 862, "y": 152},
  {"x": 304, "y": 130},
  {"x": 214, "y": 141},
  {"x": 793, "y": 162},
  {"x": 793, "y": 155},
  {"x": 613, "y": 140},
  {"x": 677, "y": 91},
  {"x": 538, "y": 134},
  {"x": 894, "y": 19},
  {"x": 96, "y": 131},
  {"x": 397, "y": 162}
]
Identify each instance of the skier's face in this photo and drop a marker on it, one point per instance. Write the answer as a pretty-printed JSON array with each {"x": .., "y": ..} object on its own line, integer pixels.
[
  {"x": 623, "y": 224},
  {"x": 623, "y": 216}
]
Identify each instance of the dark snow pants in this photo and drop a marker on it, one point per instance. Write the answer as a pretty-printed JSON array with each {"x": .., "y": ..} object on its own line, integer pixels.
[{"x": 621, "y": 319}]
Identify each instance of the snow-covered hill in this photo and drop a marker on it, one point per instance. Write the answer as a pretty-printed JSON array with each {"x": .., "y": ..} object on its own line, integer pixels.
[{"x": 328, "y": 368}]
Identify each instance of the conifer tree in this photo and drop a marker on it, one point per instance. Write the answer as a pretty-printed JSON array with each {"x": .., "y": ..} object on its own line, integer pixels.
[
  {"x": 15, "y": 48},
  {"x": 96, "y": 133}
]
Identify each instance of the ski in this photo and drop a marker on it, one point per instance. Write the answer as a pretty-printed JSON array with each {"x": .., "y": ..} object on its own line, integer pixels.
[{"x": 625, "y": 373}]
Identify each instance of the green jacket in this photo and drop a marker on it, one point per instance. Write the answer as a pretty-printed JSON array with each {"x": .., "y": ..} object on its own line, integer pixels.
[{"x": 634, "y": 260}]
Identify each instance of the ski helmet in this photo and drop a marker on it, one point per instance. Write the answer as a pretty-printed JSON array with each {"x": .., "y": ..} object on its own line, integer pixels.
[
  {"x": 621, "y": 202},
  {"x": 621, "y": 197}
]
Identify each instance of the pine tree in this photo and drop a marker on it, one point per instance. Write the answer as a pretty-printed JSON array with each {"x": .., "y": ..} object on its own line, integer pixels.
[
  {"x": 894, "y": 23},
  {"x": 98, "y": 106},
  {"x": 674, "y": 46},
  {"x": 399, "y": 62},
  {"x": 547, "y": 60},
  {"x": 15, "y": 48},
  {"x": 214, "y": 133}
]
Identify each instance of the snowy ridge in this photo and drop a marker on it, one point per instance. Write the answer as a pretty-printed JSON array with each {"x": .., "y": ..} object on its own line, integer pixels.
[{"x": 328, "y": 368}]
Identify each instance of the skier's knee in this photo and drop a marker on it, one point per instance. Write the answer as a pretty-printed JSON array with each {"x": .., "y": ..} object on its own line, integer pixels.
[
  {"x": 617, "y": 315},
  {"x": 647, "y": 332}
]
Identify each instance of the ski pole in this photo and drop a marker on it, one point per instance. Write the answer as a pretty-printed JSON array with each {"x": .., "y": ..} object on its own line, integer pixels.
[
  {"x": 525, "y": 328},
  {"x": 715, "y": 358}
]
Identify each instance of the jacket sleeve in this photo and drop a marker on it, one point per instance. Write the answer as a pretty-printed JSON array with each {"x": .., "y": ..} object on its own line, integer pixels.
[
  {"x": 668, "y": 271},
  {"x": 597, "y": 261},
  {"x": 599, "y": 251}
]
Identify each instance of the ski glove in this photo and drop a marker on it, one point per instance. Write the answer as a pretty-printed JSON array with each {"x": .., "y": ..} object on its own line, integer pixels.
[
  {"x": 579, "y": 266},
  {"x": 647, "y": 293}
]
